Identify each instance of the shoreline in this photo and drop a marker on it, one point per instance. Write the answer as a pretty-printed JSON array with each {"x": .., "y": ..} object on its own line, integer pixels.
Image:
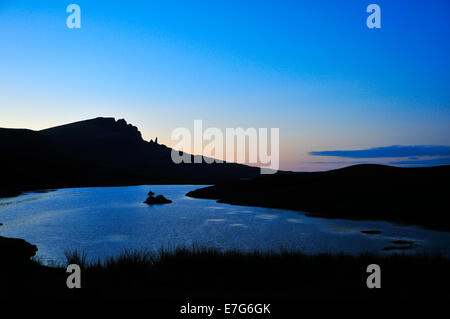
[
  {"x": 11, "y": 193},
  {"x": 405, "y": 196},
  {"x": 409, "y": 196},
  {"x": 323, "y": 214}
]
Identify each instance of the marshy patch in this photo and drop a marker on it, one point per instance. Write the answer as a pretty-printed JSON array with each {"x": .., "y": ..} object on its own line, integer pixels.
[
  {"x": 371, "y": 232},
  {"x": 389, "y": 248},
  {"x": 402, "y": 242}
]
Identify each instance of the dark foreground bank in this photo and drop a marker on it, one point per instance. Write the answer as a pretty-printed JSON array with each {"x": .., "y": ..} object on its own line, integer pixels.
[
  {"x": 192, "y": 274},
  {"x": 417, "y": 196}
]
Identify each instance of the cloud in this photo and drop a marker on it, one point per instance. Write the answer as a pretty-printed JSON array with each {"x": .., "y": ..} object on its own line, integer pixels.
[{"x": 389, "y": 151}]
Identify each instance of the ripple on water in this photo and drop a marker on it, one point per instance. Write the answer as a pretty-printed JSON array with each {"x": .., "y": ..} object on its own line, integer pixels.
[
  {"x": 117, "y": 238},
  {"x": 239, "y": 225},
  {"x": 294, "y": 220},
  {"x": 266, "y": 216}
]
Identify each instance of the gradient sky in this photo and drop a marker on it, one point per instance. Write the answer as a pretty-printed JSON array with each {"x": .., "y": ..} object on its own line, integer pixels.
[{"x": 311, "y": 68}]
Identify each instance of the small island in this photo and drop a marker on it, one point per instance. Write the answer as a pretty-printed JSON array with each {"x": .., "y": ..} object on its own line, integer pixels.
[{"x": 160, "y": 199}]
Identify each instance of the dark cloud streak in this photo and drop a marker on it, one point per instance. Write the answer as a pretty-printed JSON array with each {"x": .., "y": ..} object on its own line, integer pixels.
[{"x": 389, "y": 151}]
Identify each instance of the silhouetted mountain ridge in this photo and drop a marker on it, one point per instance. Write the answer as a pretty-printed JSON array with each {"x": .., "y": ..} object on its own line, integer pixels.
[
  {"x": 98, "y": 152},
  {"x": 98, "y": 130}
]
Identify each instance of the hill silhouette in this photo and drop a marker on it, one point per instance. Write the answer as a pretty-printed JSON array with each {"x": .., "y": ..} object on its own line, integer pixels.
[
  {"x": 97, "y": 152},
  {"x": 366, "y": 192}
]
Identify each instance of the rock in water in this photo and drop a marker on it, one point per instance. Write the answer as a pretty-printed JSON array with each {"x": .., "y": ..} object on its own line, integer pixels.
[{"x": 160, "y": 199}]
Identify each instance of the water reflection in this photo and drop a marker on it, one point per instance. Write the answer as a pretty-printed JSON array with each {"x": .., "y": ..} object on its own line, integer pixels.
[{"x": 105, "y": 221}]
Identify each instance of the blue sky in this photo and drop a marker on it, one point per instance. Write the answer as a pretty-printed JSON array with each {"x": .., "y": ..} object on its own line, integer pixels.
[{"x": 311, "y": 68}]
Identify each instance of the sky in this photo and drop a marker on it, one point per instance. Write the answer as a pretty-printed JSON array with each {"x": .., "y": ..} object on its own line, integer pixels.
[{"x": 313, "y": 69}]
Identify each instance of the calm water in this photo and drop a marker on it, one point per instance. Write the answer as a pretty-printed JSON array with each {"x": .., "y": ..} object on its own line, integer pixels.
[{"x": 105, "y": 221}]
